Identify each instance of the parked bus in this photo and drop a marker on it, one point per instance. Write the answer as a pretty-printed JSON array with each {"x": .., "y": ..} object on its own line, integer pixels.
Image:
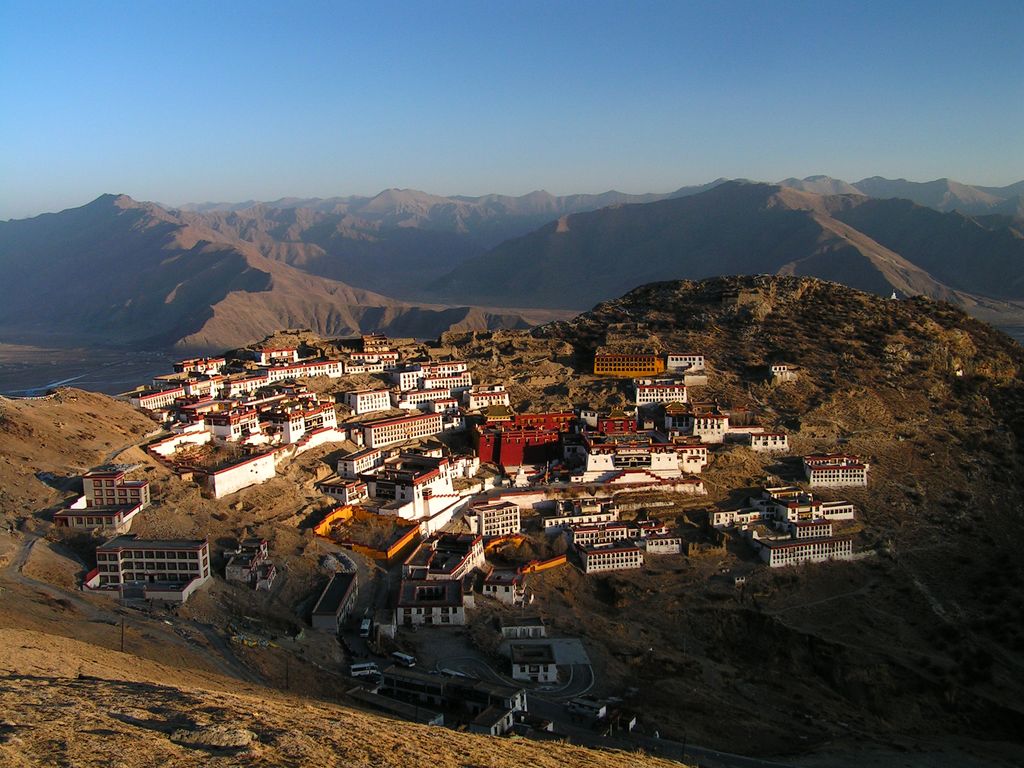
[
  {"x": 404, "y": 659},
  {"x": 364, "y": 669}
]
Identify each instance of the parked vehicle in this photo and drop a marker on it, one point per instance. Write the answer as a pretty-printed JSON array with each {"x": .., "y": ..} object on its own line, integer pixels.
[
  {"x": 404, "y": 659},
  {"x": 364, "y": 669},
  {"x": 364, "y": 627}
]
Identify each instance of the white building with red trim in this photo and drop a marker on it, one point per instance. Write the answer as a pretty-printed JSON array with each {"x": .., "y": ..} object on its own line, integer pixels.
[
  {"x": 331, "y": 368},
  {"x": 616, "y": 556},
  {"x": 478, "y": 397},
  {"x": 276, "y": 355},
  {"x": 109, "y": 486},
  {"x": 399, "y": 430},
  {"x": 658, "y": 391},
  {"x": 156, "y": 400},
  {"x": 169, "y": 569},
  {"x": 835, "y": 470}
]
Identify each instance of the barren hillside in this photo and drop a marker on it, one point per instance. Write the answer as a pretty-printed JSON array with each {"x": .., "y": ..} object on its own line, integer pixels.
[{"x": 918, "y": 646}]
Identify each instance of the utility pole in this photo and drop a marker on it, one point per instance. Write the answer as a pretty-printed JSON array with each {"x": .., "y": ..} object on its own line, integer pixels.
[{"x": 122, "y": 634}]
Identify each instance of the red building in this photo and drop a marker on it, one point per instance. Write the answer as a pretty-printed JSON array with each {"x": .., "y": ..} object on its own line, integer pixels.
[
  {"x": 616, "y": 423},
  {"x": 560, "y": 421}
]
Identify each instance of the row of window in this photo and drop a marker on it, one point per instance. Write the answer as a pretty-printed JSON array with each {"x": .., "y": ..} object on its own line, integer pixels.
[{"x": 149, "y": 554}]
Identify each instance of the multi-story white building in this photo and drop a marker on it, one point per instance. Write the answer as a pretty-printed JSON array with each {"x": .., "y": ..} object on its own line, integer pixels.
[
  {"x": 778, "y": 553},
  {"x": 127, "y": 560},
  {"x": 331, "y": 368},
  {"x": 234, "y": 425},
  {"x": 454, "y": 384},
  {"x": 297, "y": 420},
  {"x": 506, "y": 585},
  {"x": 834, "y": 470},
  {"x": 420, "y": 484},
  {"x": 107, "y": 487},
  {"x": 445, "y": 556},
  {"x": 534, "y": 662},
  {"x": 244, "y": 384},
  {"x": 417, "y": 399},
  {"x": 482, "y": 396},
  {"x": 664, "y": 544},
  {"x": 368, "y": 400},
  {"x": 433, "y": 602},
  {"x": 355, "y": 464},
  {"x": 153, "y": 401},
  {"x": 617, "y": 556},
  {"x": 398, "y": 430},
  {"x": 497, "y": 518},
  {"x": 599, "y": 457},
  {"x": 445, "y": 368},
  {"x": 208, "y": 365},
  {"x": 657, "y": 391}
]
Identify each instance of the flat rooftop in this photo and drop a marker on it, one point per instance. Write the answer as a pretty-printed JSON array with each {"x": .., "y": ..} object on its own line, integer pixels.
[{"x": 534, "y": 653}]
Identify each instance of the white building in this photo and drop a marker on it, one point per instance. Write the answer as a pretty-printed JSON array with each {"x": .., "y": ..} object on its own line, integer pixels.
[
  {"x": 435, "y": 602},
  {"x": 769, "y": 442},
  {"x": 482, "y": 396},
  {"x": 233, "y": 425},
  {"x": 682, "y": 362},
  {"x": 534, "y": 662},
  {"x": 172, "y": 568},
  {"x": 331, "y": 368},
  {"x": 618, "y": 556},
  {"x": 368, "y": 400},
  {"x": 664, "y": 544},
  {"x": 355, "y": 464},
  {"x": 153, "y": 401},
  {"x": 778, "y": 553},
  {"x": 605, "y": 456},
  {"x": 494, "y": 518},
  {"x": 272, "y": 355},
  {"x": 235, "y": 477},
  {"x": 506, "y": 585},
  {"x": 454, "y": 384},
  {"x": 297, "y": 420},
  {"x": 421, "y": 485},
  {"x": 398, "y": 430},
  {"x": 654, "y": 391},
  {"x": 835, "y": 470},
  {"x": 107, "y": 486}
]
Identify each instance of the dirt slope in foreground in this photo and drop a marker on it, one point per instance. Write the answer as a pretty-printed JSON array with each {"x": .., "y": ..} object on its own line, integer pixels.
[{"x": 69, "y": 703}]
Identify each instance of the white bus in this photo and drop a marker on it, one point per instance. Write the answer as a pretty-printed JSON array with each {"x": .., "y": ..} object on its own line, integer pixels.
[{"x": 364, "y": 669}]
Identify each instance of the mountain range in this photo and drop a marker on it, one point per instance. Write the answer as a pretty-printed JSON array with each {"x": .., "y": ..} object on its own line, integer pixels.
[
  {"x": 123, "y": 272},
  {"x": 747, "y": 228},
  {"x": 410, "y": 263}
]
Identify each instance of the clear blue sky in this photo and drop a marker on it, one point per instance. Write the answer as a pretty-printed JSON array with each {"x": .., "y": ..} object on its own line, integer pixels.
[{"x": 182, "y": 101}]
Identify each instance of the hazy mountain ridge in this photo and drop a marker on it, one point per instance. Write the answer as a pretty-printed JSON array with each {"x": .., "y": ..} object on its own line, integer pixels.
[
  {"x": 118, "y": 271},
  {"x": 747, "y": 228}
]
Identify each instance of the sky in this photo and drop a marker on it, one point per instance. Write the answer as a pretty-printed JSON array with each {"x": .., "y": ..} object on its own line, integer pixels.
[{"x": 229, "y": 101}]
